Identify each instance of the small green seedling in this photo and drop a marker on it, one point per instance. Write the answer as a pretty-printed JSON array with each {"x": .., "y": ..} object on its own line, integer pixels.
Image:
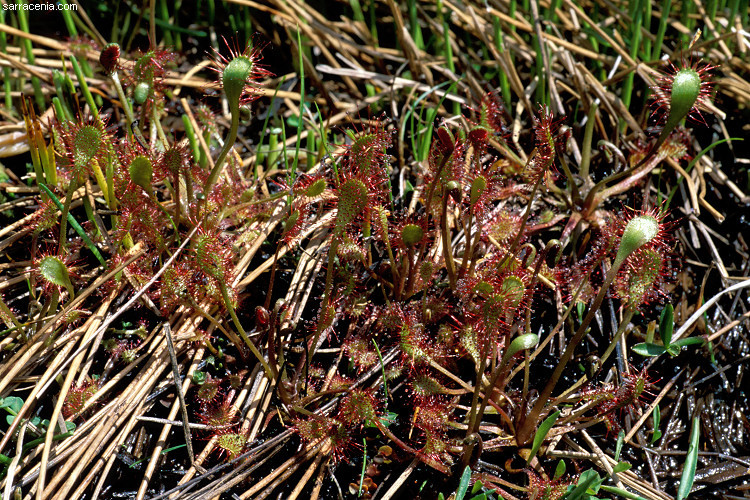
[
  {"x": 666, "y": 327},
  {"x": 656, "y": 415}
]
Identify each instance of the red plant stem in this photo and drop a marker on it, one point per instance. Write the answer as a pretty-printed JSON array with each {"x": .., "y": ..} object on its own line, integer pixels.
[
  {"x": 410, "y": 271},
  {"x": 529, "y": 422},
  {"x": 524, "y": 220},
  {"x": 597, "y": 194},
  {"x": 270, "y": 373},
  {"x": 427, "y": 460},
  {"x": 469, "y": 248},
  {"x": 447, "y": 251}
]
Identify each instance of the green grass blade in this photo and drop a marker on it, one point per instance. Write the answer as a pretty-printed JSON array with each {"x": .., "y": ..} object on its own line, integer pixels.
[
  {"x": 621, "y": 492},
  {"x": 663, "y": 21},
  {"x": 541, "y": 433},
  {"x": 666, "y": 325},
  {"x": 463, "y": 485},
  {"x": 75, "y": 225},
  {"x": 691, "y": 461},
  {"x": 84, "y": 87}
]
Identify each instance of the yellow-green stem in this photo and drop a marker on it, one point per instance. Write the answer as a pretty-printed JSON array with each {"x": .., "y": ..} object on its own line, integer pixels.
[
  {"x": 528, "y": 424},
  {"x": 228, "y": 144},
  {"x": 64, "y": 219},
  {"x": 447, "y": 251},
  {"x": 225, "y": 294}
]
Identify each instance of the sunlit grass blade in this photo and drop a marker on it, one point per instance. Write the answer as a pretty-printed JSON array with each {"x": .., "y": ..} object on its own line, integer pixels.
[
  {"x": 75, "y": 225},
  {"x": 541, "y": 434},
  {"x": 691, "y": 462}
]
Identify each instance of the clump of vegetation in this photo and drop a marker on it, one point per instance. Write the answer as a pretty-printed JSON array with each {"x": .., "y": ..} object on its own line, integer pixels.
[{"x": 463, "y": 286}]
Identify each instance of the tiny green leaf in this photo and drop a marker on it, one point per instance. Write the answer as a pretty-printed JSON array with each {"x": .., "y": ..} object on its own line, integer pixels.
[
  {"x": 691, "y": 461},
  {"x": 199, "y": 377},
  {"x": 645, "y": 349},
  {"x": 666, "y": 324},
  {"x": 673, "y": 350},
  {"x": 12, "y": 404},
  {"x": 689, "y": 341},
  {"x": 559, "y": 470},
  {"x": 588, "y": 479},
  {"x": 541, "y": 433},
  {"x": 621, "y": 467},
  {"x": 618, "y": 446},
  {"x": 463, "y": 485},
  {"x": 656, "y": 416}
]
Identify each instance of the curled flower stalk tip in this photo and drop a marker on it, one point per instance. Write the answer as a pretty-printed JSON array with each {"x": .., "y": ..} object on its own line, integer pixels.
[{"x": 238, "y": 76}]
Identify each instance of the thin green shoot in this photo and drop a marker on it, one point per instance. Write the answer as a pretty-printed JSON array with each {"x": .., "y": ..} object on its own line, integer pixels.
[
  {"x": 364, "y": 467},
  {"x": 164, "y": 14},
  {"x": 293, "y": 174},
  {"x": 382, "y": 370},
  {"x": 423, "y": 148},
  {"x": 656, "y": 417},
  {"x": 84, "y": 87},
  {"x": 620, "y": 492},
  {"x": 75, "y": 225},
  {"x": 691, "y": 462},
  {"x": 463, "y": 484},
  {"x": 663, "y": 21},
  {"x": 357, "y": 13},
  {"x": 23, "y": 24},
  {"x": 6, "y": 69},
  {"x": 635, "y": 44},
  {"x": 416, "y": 30},
  {"x": 541, "y": 434},
  {"x": 500, "y": 46},
  {"x": 618, "y": 446},
  {"x": 265, "y": 124}
]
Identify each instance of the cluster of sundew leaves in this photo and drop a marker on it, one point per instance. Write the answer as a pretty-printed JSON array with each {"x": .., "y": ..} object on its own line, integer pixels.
[
  {"x": 458, "y": 175},
  {"x": 488, "y": 304},
  {"x": 426, "y": 322}
]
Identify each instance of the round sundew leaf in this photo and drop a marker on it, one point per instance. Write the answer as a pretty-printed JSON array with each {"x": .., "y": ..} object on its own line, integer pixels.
[
  {"x": 141, "y": 92},
  {"x": 109, "y": 57},
  {"x": 483, "y": 289},
  {"x": 411, "y": 234},
  {"x": 686, "y": 87},
  {"x": 291, "y": 221},
  {"x": 208, "y": 260},
  {"x": 478, "y": 187},
  {"x": 514, "y": 288},
  {"x": 141, "y": 172},
  {"x": 232, "y": 444},
  {"x": 173, "y": 160},
  {"x": 54, "y": 271}
]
